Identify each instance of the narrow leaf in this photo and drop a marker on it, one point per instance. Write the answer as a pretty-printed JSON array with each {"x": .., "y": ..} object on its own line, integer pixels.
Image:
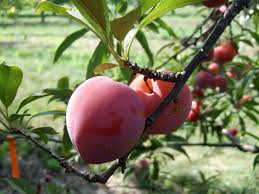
[
  {"x": 69, "y": 40},
  {"x": 144, "y": 43},
  {"x": 104, "y": 66},
  {"x": 100, "y": 55},
  {"x": 21, "y": 186},
  {"x": 65, "y": 11},
  {"x": 163, "y": 7},
  {"x": 29, "y": 100},
  {"x": 96, "y": 13}
]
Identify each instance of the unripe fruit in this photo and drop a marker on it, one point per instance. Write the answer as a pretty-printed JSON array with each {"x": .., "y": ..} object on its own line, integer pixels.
[
  {"x": 204, "y": 79},
  {"x": 224, "y": 52},
  {"x": 105, "y": 119},
  {"x": 214, "y": 68},
  {"x": 221, "y": 82},
  {"x": 152, "y": 95},
  {"x": 233, "y": 132},
  {"x": 197, "y": 92},
  {"x": 214, "y": 3}
]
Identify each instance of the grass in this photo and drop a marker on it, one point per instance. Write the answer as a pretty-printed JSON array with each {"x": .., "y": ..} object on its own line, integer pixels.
[{"x": 31, "y": 45}]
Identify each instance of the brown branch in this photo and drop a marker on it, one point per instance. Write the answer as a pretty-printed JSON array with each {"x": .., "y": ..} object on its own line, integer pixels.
[
  {"x": 220, "y": 27},
  {"x": 68, "y": 165}
]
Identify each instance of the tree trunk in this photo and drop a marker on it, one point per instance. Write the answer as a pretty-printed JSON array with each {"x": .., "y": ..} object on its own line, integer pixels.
[{"x": 42, "y": 17}]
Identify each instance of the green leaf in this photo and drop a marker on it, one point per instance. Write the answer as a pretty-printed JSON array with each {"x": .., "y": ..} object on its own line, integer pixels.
[
  {"x": 67, "y": 144},
  {"x": 127, "y": 22},
  {"x": 156, "y": 169},
  {"x": 68, "y": 41},
  {"x": 100, "y": 55},
  {"x": 21, "y": 186},
  {"x": 144, "y": 43},
  {"x": 51, "y": 112},
  {"x": 96, "y": 13},
  {"x": 104, "y": 66},
  {"x": 30, "y": 99},
  {"x": 174, "y": 138},
  {"x": 14, "y": 117},
  {"x": 163, "y": 7},
  {"x": 166, "y": 27},
  {"x": 121, "y": 6},
  {"x": 251, "y": 116},
  {"x": 59, "y": 94},
  {"x": 160, "y": 9},
  {"x": 169, "y": 155},
  {"x": 10, "y": 81},
  {"x": 65, "y": 11},
  {"x": 63, "y": 83},
  {"x": 251, "y": 135},
  {"x": 147, "y": 4},
  {"x": 179, "y": 149},
  {"x": 43, "y": 132}
]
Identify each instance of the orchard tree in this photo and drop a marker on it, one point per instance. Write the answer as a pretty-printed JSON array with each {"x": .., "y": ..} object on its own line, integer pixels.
[
  {"x": 13, "y": 7},
  {"x": 133, "y": 117}
]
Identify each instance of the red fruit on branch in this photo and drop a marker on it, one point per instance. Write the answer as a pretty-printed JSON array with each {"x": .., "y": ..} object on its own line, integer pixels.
[
  {"x": 233, "y": 131},
  {"x": 214, "y": 68},
  {"x": 152, "y": 93},
  {"x": 214, "y": 3},
  {"x": 220, "y": 82},
  {"x": 204, "y": 79},
  {"x": 245, "y": 99},
  {"x": 193, "y": 116},
  {"x": 196, "y": 105},
  {"x": 105, "y": 119},
  {"x": 225, "y": 52},
  {"x": 197, "y": 92}
]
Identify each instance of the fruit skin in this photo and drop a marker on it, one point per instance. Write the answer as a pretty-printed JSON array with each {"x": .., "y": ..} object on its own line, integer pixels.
[
  {"x": 174, "y": 115},
  {"x": 225, "y": 52},
  {"x": 193, "y": 116},
  {"x": 221, "y": 82},
  {"x": 197, "y": 92},
  {"x": 233, "y": 131},
  {"x": 196, "y": 106},
  {"x": 245, "y": 98},
  {"x": 214, "y": 68},
  {"x": 195, "y": 111},
  {"x": 105, "y": 119},
  {"x": 214, "y": 3},
  {"x": 204, "y": 79}
]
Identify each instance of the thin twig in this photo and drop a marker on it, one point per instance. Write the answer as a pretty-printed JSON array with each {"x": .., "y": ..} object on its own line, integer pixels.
[
  {"x": 68, "y": 165},
  {"x": 222, "y": 24}
]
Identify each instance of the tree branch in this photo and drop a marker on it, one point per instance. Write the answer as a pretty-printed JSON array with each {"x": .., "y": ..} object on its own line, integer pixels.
[{"x": 220, "y": 27}]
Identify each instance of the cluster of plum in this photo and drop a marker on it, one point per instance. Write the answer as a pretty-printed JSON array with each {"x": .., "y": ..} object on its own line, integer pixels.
[
  {"x": 213, "y": 76},
  {"x": 105, "y": 119}
]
